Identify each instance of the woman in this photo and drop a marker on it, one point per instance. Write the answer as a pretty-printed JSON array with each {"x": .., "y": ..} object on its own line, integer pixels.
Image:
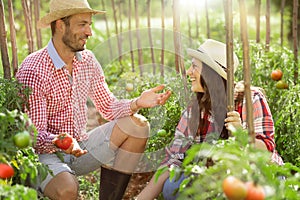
[{"x": 204, "y": 118}]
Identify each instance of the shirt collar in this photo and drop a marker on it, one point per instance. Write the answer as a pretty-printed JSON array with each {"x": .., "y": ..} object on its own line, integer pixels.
[{"x": 56, "y": 59}]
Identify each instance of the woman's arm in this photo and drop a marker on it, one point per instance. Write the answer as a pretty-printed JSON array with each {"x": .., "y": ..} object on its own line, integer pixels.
[{"x": 154, "y": 187}]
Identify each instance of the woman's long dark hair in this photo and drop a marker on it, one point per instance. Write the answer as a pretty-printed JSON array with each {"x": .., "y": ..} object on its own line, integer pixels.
[{"x": 212, "y": 102}]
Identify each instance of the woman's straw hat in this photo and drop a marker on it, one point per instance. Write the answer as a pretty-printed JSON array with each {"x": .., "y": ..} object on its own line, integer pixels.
[
  {"x": 213, "y": 53},
  {"x": 64, "y": 8}
]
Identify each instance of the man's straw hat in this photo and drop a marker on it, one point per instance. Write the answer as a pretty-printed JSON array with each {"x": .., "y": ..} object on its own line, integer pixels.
[
  {"x": 213, "y": 53},
  {"x": 63, "y": 8}
]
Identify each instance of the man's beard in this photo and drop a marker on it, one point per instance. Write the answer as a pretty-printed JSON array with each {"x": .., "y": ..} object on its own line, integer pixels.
[{"x": 70, "y": 41}]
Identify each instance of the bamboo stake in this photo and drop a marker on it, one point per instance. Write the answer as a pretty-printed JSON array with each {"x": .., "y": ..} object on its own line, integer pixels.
[
  {"x": 162, "y": 56},
  {"x": 247, "y": 69},
  {"x": 176, "y": 32},
  {"x": 130, "y": 37},
  {"x": 150, "y": 35},
  {"x": 140, "y": 53},
  {"x": 189, "y": 27},
  {"x": 36, "y": 18},
  {"x": 229, "y": 54},
  {"x": 13, "y": 38},
  {"x": 197, "y": 22},
  {"x": 120, "y": 38},
  {"x": 268, "y": 26},
  {"x": 281, "y": 21},
  {"x": 117, "y": 31},
  {"x": 207, "y": 20},
  {"x": 257, "y": 19},
  {"x": 28, "y": 25},
  {"x": 295, "y": 39},
  {"x": 107, "y": 31},
  {"x": 3, "y": 44}
]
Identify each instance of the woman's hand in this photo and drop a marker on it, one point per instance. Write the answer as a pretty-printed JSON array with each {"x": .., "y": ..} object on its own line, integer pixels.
[
  {"x": 233, "y": 121},
  {"x": 151, "y": 98}
]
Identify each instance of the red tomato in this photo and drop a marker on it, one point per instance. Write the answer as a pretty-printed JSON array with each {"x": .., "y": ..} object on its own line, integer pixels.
[
  {"x": 254, "y": 192},
  {"x": 234, "y": 188},
  {"x": 6, "y": 171},
  {"x": 63, "y": 141},
  {"x": 276, "y": 74}
]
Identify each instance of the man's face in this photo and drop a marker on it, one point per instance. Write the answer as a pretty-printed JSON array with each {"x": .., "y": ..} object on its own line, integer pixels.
[{"x": 78, "y": 31}]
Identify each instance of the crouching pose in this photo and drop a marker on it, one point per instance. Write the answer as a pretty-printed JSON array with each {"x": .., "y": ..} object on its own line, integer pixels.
[{"x": 62, "y": 77}]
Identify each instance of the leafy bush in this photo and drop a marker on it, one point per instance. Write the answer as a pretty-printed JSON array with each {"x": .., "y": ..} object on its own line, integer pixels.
[
  {"x": 283, "y": 103},
  {"x": 237, "y": 158},
  {"x": 24, "y": 161}
]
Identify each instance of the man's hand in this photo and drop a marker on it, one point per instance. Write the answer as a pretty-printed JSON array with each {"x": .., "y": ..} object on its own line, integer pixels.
[
  {"x": 151, "y": 98},
  {"x": 233, "y": 121},
  {"x": 73, "y": 148}
]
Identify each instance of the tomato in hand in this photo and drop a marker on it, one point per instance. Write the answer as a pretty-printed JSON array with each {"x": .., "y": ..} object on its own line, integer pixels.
[
  {"x": 6, "y": 171},
  {"x": 63, "y": 141},
  {"x": 234, "y": 188},
  {"x": 22, "y": 139},
  {"x": 254, "y": 192}
]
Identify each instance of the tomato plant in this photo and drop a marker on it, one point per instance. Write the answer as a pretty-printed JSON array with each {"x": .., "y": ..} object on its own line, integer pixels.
[
  {"x": 22, "y": 139},
  {"x": 234, "y": 188},
  {"x": 276, "y": 75},
  {"x": 63, "y": 141},
  {"x": 6, "y": 171}
]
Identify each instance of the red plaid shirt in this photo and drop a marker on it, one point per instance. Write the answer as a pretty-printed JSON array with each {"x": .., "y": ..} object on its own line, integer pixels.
[
  {"x": 263, "y": 125},
  {"x": 58, "y": 100}
]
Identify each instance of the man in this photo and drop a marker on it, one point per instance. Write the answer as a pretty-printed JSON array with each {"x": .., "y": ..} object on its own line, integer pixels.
[{"x": 62, "y": 76}]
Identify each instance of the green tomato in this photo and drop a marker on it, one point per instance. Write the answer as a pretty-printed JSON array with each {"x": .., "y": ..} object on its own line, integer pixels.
[
  {"x": 22, "y": 139},
  {"x": 162, "y": 133}
]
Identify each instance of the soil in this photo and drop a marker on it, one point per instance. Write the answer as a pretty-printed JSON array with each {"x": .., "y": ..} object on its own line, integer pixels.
[{"x": 138, "y": 180}]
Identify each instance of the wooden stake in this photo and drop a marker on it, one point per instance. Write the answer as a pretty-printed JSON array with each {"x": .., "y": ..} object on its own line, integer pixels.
[
  {"x": 247, "y": 69},
  {"x": 140, "y": 53},
  {"x": 229, "y": 55},
  {"x": 3, "y": 44},
  {"x": 13, "y": 39},
  {"x": 162, "y": 56},
  {"x": 130, "y": 36},
  {"x": 268, "y": 24},
  {"x": 150, "y": 35},
  {"x": 28, "y": 25},
  {"x": 257, "y": 19},
  {"x": 295, "y": 39}
]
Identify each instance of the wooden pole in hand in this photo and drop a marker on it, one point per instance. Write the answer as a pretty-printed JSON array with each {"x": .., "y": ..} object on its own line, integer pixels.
[
  {"x": 229, "y": 54},
  {"x": 246, "y": 69}
]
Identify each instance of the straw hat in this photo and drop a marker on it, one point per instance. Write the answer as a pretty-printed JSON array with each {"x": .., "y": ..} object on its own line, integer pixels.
[
  {"x": 213, "y": 53},
  {"x": 64, "y": 8}
]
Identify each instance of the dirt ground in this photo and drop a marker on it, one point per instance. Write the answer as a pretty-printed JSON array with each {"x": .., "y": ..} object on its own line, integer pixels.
[{"x": 139, "y": 180}]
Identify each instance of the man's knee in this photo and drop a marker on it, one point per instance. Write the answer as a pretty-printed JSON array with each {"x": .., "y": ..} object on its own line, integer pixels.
[
  {"x": 62, "y": 186},
  {"x": 135, "y": 126}
]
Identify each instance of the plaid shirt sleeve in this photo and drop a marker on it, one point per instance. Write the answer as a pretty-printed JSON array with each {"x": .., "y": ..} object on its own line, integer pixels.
[
  {"x": 38, "y": 110},
  {"x": 175, "y": 151},
  {"x": 106, "y": 103},
  {"x": 263, "y": 123}
]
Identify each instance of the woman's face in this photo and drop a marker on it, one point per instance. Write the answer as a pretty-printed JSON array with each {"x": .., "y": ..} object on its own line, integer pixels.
[{"x": 194, "y": 72}]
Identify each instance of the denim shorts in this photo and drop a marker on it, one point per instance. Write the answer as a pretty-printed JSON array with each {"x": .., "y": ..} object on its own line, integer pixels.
[{"x": 99, "y": 153}]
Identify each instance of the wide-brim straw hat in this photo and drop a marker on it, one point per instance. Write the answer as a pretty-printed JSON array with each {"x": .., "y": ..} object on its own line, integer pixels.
[
  {"x": 213, "y": 53},
  {"x": 63, "y": 8}
]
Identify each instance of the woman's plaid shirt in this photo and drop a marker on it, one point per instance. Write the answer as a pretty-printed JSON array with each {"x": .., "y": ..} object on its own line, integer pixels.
[{"x": 263, "y": 126}]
